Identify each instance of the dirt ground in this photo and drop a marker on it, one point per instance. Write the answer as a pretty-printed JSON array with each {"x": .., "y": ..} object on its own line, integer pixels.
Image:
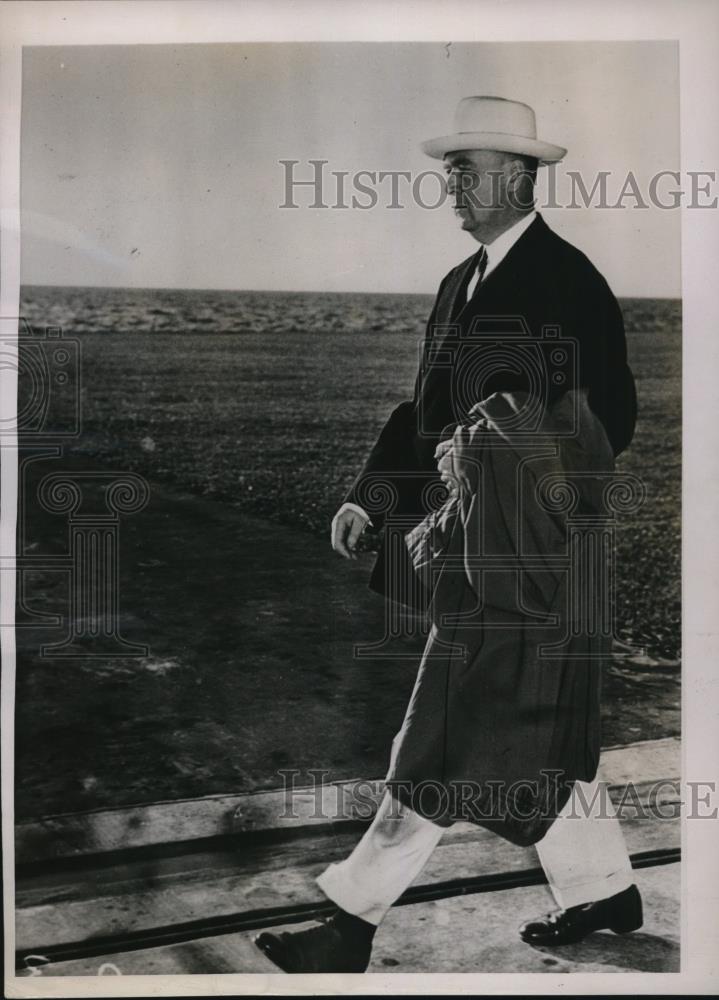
[{"x": 251, "y": 627}]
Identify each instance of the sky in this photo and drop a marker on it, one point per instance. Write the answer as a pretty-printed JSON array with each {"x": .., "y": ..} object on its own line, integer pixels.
[{"x": 160, "y": 165}]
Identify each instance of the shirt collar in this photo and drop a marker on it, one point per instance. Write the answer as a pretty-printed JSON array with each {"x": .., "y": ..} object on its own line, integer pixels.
[{"x": 498, "y": 249}]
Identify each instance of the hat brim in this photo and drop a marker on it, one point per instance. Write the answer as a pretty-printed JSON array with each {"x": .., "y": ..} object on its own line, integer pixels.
[{"x": 502, "y": 142}]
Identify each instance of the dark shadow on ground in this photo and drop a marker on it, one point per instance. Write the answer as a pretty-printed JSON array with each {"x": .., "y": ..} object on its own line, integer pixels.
[{"x": 637, "y": 952}]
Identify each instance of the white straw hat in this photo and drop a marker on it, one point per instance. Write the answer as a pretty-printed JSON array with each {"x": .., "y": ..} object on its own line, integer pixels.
[{"x": 494, "y": 123}]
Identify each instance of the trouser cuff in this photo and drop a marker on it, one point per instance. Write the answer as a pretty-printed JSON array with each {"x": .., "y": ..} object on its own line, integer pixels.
[
  {"x": 590, "y": 892},
  {"x": 338, "y": 886}
]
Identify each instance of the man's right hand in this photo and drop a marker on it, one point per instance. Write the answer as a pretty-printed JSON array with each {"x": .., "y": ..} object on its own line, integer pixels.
[{"x": 347, "y": 525}]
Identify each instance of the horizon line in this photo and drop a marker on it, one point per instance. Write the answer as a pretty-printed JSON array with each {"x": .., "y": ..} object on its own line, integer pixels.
[{"x": 281, "y": 291}]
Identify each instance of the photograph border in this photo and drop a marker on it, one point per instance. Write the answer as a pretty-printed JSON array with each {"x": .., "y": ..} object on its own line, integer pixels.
[{"x": 695, "y": 25}]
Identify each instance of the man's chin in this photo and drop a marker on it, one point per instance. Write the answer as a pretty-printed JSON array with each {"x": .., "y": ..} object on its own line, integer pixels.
[{"x": 466, "y": 221}]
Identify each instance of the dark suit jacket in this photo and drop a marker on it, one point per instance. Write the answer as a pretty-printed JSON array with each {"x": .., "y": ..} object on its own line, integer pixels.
[{"x": 504, "y": 339}]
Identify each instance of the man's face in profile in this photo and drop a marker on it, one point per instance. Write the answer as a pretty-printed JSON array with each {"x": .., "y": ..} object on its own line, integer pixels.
[{"x": 477, "y": 184}]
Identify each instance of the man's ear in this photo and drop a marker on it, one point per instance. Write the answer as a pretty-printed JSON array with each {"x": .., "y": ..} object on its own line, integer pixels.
[
  {"x": 514, "y": 171},
  {"x": 520, "y": 192}
]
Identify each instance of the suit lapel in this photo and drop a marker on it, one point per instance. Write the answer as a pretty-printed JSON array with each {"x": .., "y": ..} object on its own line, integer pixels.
[
  {"x": 459, "y": 296},
  {"x": 447, "y": 306},
  {"x": 451, "y": 298},
  {"x": 453, "y": 307},
  {"x": 521, "y": 255},
  {"x": 454, "y": 315}
]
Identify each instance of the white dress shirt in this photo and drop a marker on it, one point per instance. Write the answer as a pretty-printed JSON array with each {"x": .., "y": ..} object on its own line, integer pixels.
[{"x": 497, "y": 250}]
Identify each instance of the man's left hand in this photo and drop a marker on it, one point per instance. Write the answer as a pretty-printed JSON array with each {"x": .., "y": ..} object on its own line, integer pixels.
[{"x": 443, "y": 454}]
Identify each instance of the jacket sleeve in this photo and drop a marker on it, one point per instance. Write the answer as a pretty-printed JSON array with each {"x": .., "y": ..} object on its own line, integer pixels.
[
  {"x": 605, "y": 370},
  {"x": 393, "y": 452},
  {"x": 620, "y": 388},
  {"x": 593, "y": 319}
]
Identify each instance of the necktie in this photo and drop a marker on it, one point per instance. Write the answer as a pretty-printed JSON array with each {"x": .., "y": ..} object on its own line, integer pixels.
[{"x": 480, "y": 268}]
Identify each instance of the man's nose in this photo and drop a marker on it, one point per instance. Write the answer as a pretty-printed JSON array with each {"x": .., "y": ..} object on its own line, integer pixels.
[{"x": 452, "y": 184}]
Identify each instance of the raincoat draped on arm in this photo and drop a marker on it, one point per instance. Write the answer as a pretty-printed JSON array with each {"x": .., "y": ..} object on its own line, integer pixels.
[{"x": 505, "y": 716}]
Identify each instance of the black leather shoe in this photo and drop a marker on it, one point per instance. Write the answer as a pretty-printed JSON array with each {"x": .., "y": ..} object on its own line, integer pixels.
[
  {"x": 621, "y": 913},
  {"x": 317, "y": 949}
]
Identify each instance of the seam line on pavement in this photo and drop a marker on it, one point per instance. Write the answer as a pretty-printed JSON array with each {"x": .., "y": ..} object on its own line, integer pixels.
[{"x": 298, "y": 913}]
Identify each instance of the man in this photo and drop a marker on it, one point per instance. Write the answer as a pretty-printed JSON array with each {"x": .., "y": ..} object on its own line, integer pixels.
[{"x": 523, "y": 273}]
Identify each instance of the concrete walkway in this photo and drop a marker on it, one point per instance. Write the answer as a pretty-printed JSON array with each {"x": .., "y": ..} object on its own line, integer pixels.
[
  {"x": 134, "y": 892},
  {"x": 464, "y": 934}
]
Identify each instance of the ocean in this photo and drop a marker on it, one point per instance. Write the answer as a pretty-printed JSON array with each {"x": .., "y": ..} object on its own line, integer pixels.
[{"x": 79, "y": 310}]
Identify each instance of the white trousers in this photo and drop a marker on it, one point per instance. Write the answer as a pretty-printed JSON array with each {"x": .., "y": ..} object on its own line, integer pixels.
[{"x": 583, "y": 855}]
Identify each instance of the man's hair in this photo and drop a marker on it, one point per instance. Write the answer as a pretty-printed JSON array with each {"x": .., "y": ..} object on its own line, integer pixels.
[
  {"x": 530, "y": 164},
  {"x": 525, "y": 191}
]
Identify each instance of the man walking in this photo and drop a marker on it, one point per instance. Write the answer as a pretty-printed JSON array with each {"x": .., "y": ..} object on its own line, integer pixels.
[{"x": 524, "y": 274}]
